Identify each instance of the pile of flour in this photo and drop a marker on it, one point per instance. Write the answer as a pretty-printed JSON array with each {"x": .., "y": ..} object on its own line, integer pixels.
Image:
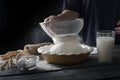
[{"x": 64, "y": 45}]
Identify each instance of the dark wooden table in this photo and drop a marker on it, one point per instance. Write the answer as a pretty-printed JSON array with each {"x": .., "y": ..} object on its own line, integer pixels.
[{"x": 89, "y": 70}]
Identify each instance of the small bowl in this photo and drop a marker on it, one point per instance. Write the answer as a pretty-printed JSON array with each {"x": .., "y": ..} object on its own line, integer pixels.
[
  {"x": 65, "y": 59},
  {"x": 62, "y": 27}
]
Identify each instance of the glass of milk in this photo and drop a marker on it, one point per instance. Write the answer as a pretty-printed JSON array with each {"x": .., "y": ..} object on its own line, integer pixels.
[{"x": 105, "y": 45}]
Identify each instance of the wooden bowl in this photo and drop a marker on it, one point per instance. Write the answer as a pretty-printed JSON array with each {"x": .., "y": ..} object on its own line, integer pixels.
[{"x": 65, "y": 59}]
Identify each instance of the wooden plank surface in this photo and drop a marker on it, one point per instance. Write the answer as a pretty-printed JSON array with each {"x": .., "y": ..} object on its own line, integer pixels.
[
  {"x": 97, "y": 72},
  {"x": 91, "y": 62},
  {"x": 88, "y": 70}
]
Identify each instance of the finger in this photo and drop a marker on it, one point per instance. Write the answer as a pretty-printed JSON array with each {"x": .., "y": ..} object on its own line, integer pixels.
[
  {"x": 117, "y": 32},
  {"x": 50, "y": 18},
  {"x": 117, "y": 28},
  {"x": 118, "y": 23},
  {"x": 46, "y": 19}
]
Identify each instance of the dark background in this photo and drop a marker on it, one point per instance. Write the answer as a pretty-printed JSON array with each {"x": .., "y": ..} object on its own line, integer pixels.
[{"x": 19, "y": 22}]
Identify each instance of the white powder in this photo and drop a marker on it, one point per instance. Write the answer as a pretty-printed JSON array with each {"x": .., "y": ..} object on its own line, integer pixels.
[{"x": 67, "y": 45}]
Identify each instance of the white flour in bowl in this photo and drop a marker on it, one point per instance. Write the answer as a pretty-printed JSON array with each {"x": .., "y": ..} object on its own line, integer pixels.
[{"x": 67, "y": 45}]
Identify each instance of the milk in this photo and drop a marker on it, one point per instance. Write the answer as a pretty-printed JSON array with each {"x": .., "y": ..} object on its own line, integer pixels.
[{"x": 105, "y": 48}]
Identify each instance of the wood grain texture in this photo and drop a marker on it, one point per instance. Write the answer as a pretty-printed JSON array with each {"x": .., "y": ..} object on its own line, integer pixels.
[{"x": 89, "y": 70}]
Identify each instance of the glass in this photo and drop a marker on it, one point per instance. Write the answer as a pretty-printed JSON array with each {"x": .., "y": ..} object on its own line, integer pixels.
[{"x": 105, "y": 45}]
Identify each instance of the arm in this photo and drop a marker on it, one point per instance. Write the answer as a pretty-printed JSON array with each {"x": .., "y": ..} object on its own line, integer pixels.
[{"x": 66, "y": 14}]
